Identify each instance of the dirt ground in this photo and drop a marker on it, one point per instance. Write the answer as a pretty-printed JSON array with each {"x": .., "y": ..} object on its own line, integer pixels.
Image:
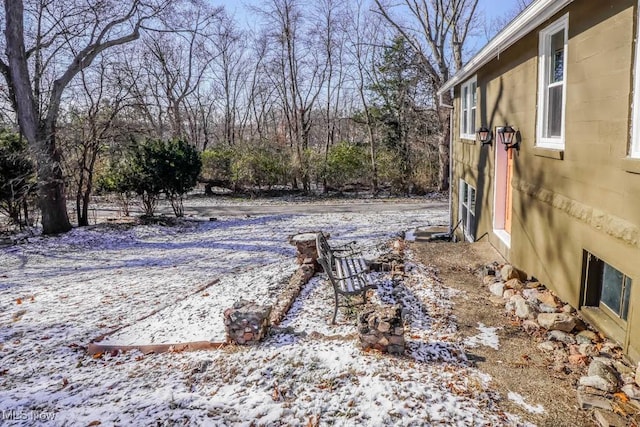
[{"x": 518, "y": 366}]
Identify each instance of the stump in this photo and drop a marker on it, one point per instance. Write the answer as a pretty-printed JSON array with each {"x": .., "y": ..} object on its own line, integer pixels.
[
  {"x": 380, "y": 328},
  {"x": 305, "y": 244},
  {"x": 246, "y": 322}
]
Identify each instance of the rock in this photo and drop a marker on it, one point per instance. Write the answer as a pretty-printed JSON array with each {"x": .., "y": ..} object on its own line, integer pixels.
[
  {"x": 578, "y": 359},
  {"x": 599, "y": 368},
  {"x": 514, "y": 284},
  {"x": 567, "y": 309},
  {"x": 548, "y": 346},
  {"x": 588, "y": 401},
  {"x": 497, "y": 288},
  {"x": 609, "y": 419},
  {"x": 487, "y": 280},
  {"x": 544, "y": 308},
  {"x": 588, "y": 349},
  {"x": 546, "y": 297},
  {"x": 580, "y": 325},
  {"x": 587, "y": 337},
  {"x": 597, "y": 383},
  {"x": 532, "y": 285},
  {"x": 557, "y": 321},
  {"x": 530, "y": 294},
  {"x": 622, "y": 368},
  {"x": 561, "y": 336},
  {"x": 632, "y": 391},
  {"x": 508, "y": 294},
  {"x": 524, "y": 309},
  {"x": 530, "y": 326},
  {"x": 508, "y": 272}
]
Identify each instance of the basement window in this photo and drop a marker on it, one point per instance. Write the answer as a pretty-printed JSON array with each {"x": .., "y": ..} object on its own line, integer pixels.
[{"x": 606, "y": 288}]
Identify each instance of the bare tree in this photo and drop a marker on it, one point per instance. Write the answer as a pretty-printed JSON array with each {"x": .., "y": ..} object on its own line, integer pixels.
[
  {"x": 60, "y": 41},
  {"x": 89, "y": 129},
  {"x": 437, "y": 32}
]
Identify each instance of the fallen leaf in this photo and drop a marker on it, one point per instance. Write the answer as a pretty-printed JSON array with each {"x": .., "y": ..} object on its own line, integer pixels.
[
  {"x": 65, "y": 382},
  {"x": 33, "y": 298},
  {"x": 621, "y": 396},
  {"x": 19, "y": 301},
  {"x": 97, "y": 356},
  {"x": 94, "y": 423}
]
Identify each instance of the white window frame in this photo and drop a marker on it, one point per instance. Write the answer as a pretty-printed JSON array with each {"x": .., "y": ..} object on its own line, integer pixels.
[
  {"x": 467, "y": 130},
  {"x": 544, "y": 56},
  {"x": 634, "y": 150},
  {"x": 468, "y": 204}
]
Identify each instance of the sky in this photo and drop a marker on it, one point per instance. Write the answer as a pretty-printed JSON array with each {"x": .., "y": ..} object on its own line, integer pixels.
[{"x": 486, "y": 8}]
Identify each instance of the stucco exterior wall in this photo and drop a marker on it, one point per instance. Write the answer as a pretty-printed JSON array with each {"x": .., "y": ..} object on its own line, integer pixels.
[{"x": 584, "y": 197}]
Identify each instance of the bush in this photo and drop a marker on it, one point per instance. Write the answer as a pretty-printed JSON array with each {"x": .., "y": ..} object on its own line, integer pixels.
[
  {"x": 346, "y": 164},
  {"x": 17, "y": 177},
  {"x": 152, "y": 168},
  {"x": 259, "y": 166}
]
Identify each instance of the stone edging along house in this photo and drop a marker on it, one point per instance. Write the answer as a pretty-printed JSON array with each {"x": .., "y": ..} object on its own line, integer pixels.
[{"x": 562, "y": 200}]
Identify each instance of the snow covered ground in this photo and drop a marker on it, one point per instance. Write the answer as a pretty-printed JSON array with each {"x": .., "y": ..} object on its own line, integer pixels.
[{"x": 59, "y": 293}]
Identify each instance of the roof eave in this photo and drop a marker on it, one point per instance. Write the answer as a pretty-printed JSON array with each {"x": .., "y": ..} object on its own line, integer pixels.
[{"x": 532, "y": 17}]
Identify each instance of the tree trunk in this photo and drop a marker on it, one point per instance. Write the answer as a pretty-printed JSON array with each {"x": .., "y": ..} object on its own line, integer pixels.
[
  {"x": 443, "y": 150},
  {"x": 51, "y": 194}
]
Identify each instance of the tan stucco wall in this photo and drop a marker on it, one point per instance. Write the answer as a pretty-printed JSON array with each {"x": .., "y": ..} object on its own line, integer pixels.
[{"x": 585, "y": 200}]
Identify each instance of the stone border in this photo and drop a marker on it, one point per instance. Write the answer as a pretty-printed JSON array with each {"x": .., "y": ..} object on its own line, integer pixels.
[{"x": 609, "y": 383}]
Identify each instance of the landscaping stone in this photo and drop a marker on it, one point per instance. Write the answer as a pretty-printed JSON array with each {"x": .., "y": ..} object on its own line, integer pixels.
[
  {"x": 381, "y": 328},
  {"x": 587, "y": 337},
  {"x": 508, "y": 272},
  {"x": 514, "y": 284},
  {"x": 530, "y": 326},
  {"x": 305, "y": 244},
  {"x": 497, "y": 288},
  {"x": 597, "y": 382},
  {"x": 246, "y": 322},
  {"x": 487, "y": 280},
  {"x": 567, "y": 308},
  {"x": 588, "y": 349},
  {"x": 544, "y": 308},
  {"x": 388, "y": 262},
  {"x": 524, "y": 309},
  {"x": 547, "y": 298},
  {"x": 588, "y": 401},
  {"x": 622, "y": 368},
  {"x": 557, "y": 321},
  {"x": 496, "y": 301},
  {"x": 561, "y": 336},
  {"x": 548, "y": 346},
  {"x": 632, "y": 391},
  {"x": 599, "y": 368},
  {"x": 609, "y": 419},
  {"x": 508, "y": 294}
]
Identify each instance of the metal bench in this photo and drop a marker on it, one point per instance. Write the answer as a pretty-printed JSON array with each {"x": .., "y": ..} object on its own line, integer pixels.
[{"x": 347, "y": 271}]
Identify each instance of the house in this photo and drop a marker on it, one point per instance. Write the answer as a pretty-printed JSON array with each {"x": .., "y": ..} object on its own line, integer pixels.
[{"x": 560, "y": 200}]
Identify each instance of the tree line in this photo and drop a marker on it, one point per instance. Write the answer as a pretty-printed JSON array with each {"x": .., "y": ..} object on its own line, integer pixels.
[{"x": 312, "y": 95}]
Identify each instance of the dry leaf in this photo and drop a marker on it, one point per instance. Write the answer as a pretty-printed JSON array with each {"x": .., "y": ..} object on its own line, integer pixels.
[
  {"x": 622, "y": 396},
  {"x": 97, "y": 356},
  {"x": 94, "y": 423},
  {"x": 19, "y": 301}
]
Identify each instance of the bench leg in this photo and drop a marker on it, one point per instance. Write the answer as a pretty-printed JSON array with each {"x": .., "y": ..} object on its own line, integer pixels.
[{"x": 335, "y": 310}]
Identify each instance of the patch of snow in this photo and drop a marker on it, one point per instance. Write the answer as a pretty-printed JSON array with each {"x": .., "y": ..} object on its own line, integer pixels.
[
  {"x": 487, "y": 337},
  {"x": 519, "y": 399},
  {"x": 59, "y": 293}
]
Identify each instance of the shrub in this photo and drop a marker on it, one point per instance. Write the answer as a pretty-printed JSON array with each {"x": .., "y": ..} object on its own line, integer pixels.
[
  {"x": 346, "y": 163},
  {"x": 152, "y": 168},
  {"x": 17, "y": 177}
]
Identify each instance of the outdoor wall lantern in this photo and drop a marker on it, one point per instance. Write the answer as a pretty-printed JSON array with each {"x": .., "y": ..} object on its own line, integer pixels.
[
  {"x": 485, "y": 135},
  {"x": 507, "y": 135}
]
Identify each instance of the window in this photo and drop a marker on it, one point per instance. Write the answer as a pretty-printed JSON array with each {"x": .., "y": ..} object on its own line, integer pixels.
[
  {"x": 607, "y": 288},
  {"x": 468, "y": 104},
  {"x": 468, "y": 210},
  {"x": 552, "y": 78}
]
